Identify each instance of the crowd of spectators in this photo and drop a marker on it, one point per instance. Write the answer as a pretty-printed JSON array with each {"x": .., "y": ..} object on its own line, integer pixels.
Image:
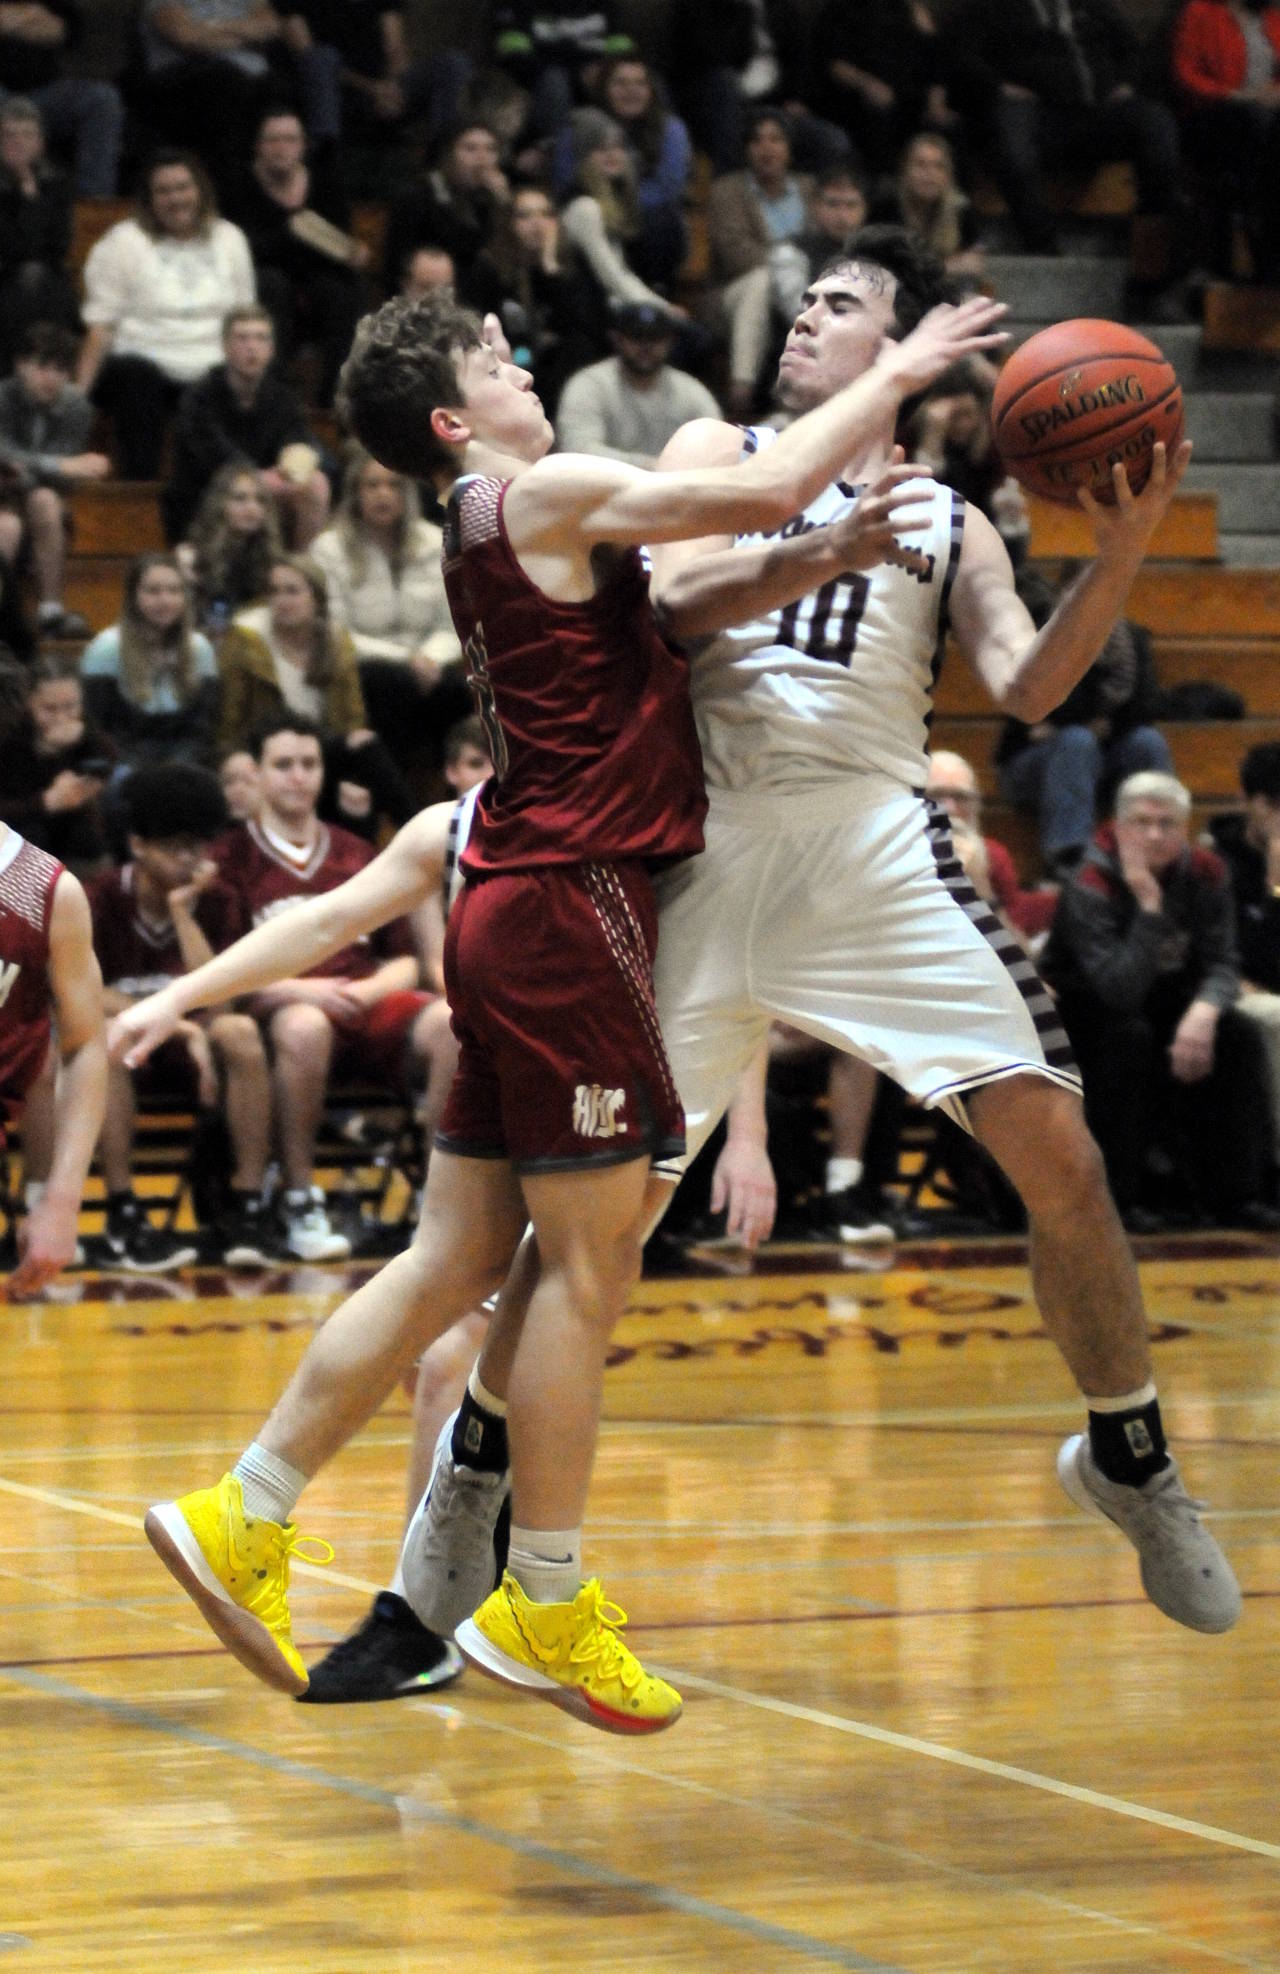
[{"x": 548, "y": 175}]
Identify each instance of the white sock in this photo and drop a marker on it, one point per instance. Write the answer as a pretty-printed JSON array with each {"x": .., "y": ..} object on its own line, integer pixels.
[
  {"x": 269, "y": 1484},
  {"x": 546, "y": 1563},
  {"x": 484, "y": 1398},
  {"x": 843, "y": 1173},
  {"x": 32, "y": 1194},
  {"x": 1129, "y": 1401},
  {"x": 46, "y": 612}
]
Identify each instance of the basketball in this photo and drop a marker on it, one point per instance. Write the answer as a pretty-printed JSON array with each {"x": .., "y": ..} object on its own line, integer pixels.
[{"x": 1076, "y": 398}]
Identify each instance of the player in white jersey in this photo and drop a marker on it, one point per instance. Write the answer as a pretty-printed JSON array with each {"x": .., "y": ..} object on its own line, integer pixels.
[{"x": 830, "y": 896}]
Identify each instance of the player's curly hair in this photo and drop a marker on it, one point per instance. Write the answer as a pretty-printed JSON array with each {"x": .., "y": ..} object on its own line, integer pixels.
[
  {"x": 920, "y": 277},
  {"x": 401, "y": 367}
]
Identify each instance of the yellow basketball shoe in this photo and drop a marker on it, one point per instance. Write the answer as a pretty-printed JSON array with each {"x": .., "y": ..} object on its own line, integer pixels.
[
  {"x": 571, "y": 1654},
  {"x": 237, "y": 1572}
]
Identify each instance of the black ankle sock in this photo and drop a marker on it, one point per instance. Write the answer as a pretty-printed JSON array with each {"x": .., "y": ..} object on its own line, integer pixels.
[
  {"x": 479, "y": 1438},
  {"x": 1128, "y": 1446}
]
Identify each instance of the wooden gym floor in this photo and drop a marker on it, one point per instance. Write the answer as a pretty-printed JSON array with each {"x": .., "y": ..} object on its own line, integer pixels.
[{"x": 931, "y": 1723}]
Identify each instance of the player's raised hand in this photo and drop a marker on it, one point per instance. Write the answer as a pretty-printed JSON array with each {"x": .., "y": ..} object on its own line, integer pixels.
[
  {"x": 136, "y": 1031},
  {"x": 1125, "y": 528},
  {"x": 876, "y": 528},
  {"x": 942, "y": 337}
]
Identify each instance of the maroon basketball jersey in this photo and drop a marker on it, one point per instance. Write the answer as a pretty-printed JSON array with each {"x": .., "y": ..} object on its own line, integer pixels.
[
  {"x": 140, "y": 955},
  {"x": 27, "y": 878},
  {"x": 270, "y": 876},
  {"x": 586, "y": 707}
]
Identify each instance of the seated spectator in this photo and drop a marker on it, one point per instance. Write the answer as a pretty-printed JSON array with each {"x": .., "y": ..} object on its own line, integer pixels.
[
  {"x": 242, "y": 411},
  {"x": 663, "y": 156},
  {"x": 952, "y": 784},
  {"x": 381, "y": 564},
  {"x": 35, "y": 230},
  {"x": 359, "y": 1014},
  {"x": 54, "y": 767},
  {"x": 1248, "y": 842},
  {"x": 1226, "y": 72},
  {"x": 882, "y": 71},
  {"x": 454, "y": 205},
  {"x": 735, "y": 58},
  {"x": 467, "y": 760},
  {"x": 79, "y": 112},
  {"x": 165, "y": 912},
  {"x": 427, "y": 271},
  {"x": 297, "y": 218},
  {"x": 950, "y": 433},
  {"x": 214, "y": 65},
  {"x": 749, "y": 214},
  {"x": 837, "y": 208},
  {"x": 1065, "y": 767},
  {"x": 235, "y": 538},
  {"x": 1060, "y": 87},
  {"x": 157, "y": 290},
  {"x": 629, "y": 406},
  {"x": 45, "y": 425},
  {"x": 551, "y": 311},
  {"x": 151, "y": 681},
  {"x": 602, "y": 218},
  {"x": 384, "y": 87},
  {"x": 241, "y": 783},
  {"x": 285, "y": 655},
  {"x": 555, "y": 53},
  {"x": 1143, "y": 957},
  {"x": 926, "y": 200}
]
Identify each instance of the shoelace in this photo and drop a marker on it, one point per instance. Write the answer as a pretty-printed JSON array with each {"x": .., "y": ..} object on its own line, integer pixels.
[
  {"x": 274, "y": 1611},
  {"x": 604, "y": 1647}
]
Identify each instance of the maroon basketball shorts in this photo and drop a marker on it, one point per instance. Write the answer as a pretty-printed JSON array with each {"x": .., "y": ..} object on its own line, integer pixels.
[
  {"x": 376, "y": 1049},
  {"x": 549, "y": 976}
]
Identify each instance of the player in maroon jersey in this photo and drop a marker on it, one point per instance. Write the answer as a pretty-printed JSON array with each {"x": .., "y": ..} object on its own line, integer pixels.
[
  {"x": 361, "y": 1012},
  {"x": 48, "y": 974},
  {"x": 563, "y": 1093}
]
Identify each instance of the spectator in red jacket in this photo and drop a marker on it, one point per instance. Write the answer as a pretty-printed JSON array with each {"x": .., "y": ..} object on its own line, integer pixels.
[{"x": 1226, "y": 69}]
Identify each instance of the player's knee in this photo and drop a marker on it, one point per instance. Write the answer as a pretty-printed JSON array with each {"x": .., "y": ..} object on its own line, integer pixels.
[
  {"x": 302, "y": 1034},
  {"x": 1066, "y": 1178},
  {"x": 44, "y": 507},
  {"x": 237, "y": 1039}
]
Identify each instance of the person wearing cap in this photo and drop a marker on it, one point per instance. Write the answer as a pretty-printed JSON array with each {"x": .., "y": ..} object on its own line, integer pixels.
[{"x": 628, "y": 406}]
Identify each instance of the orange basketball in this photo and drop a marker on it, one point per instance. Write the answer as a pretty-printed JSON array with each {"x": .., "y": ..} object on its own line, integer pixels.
[{"x": 1078, "y": 397}]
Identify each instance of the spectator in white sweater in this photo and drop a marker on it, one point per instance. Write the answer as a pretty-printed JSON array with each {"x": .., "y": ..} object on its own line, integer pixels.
[
  {"x": 629, "y": 406},
  {"x": 381, "y": 563},
  {"x": 157, "y": 288}
]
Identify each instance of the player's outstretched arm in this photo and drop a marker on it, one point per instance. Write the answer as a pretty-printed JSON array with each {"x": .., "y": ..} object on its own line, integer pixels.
[
  {"x": 47, "y": 1238},
  {"x": 602, "y": 500},
  {"x": 1029, "y": 672},
  {"x": 295, "y": 941}
]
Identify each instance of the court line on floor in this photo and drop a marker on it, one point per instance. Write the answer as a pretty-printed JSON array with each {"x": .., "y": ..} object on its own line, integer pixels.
[
  {"x": 938, "y": 1751},
  {"x": 838, "y": 1723},
  {"x": 760, "y": 1932}
]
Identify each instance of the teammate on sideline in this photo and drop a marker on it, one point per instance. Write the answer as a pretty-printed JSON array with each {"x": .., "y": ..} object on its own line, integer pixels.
[
  {"x": 562, "y": 1093},
  {"x": 48, "y": 974},
  {"x": 829, "y": 896}
]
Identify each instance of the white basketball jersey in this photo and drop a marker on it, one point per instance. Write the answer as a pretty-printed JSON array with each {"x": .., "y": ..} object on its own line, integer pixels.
[{"x": 841, "y": 682}]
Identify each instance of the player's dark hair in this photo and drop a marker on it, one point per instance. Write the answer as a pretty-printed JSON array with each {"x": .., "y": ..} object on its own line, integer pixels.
[
  {"x": 1260, "y": 770},
  {"x": 463, "y": 734},
  {"x": 921, "y": 280},
  {"x": 174, "y": 799},
  {"x": 282, "y": 722},
  {"x": 401, "y": 367}
]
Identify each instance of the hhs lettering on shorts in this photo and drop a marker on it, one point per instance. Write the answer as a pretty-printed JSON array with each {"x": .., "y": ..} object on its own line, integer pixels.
[{"x": 597, "y": 1113}]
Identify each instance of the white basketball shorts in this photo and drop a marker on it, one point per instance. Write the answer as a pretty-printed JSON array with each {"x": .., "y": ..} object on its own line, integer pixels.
[{"x": 845, "y": 912}]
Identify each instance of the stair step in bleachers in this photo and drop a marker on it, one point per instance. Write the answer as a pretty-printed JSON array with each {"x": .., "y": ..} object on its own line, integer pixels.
[
  {"x": 116, "y": 517},
  {"x": 1180, "y": 342},
  {"x": 1248, "y": 665},
  {"x": 1249, "y": 551},
  {"x": 1052, "y": 288},
  {"x": 95, "y": 587},
  {"x": 1231, "y": 426},
  {"x": 1196, "y": 601},
  {"x": 1248, "y": 493},
  {"x": 1206, "y": 755},
  {"x": 1187, "y": 533}
]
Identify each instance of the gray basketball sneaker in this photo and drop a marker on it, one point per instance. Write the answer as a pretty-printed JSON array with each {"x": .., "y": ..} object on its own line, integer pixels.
[
  {"x": 1184, "y": 1572},
  {"x": 455, "y": 1548}
]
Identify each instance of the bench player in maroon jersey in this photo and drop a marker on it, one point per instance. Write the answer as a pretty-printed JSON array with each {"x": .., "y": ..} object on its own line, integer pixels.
[
  {"x": 359, "y": 1014},
  {"x": 48, "y": 974},
  {"x": 562, "y": 1095}
]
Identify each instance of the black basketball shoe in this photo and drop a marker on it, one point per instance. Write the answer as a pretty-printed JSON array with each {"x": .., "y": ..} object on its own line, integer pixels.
[{"x": 389, "y": 1656}]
